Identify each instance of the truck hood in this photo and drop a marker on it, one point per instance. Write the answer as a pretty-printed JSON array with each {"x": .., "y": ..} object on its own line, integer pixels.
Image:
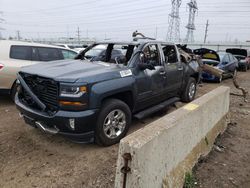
[{"x": 75, "y": 70}]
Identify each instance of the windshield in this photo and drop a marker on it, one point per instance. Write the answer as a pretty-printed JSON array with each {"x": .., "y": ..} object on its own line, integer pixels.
[{"x": 109, "y": 53}]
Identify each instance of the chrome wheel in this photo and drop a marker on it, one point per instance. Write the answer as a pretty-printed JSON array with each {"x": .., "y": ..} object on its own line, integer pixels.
[
  {"x": 192, "y": 89},
  {"x": 114, "y": 124}
]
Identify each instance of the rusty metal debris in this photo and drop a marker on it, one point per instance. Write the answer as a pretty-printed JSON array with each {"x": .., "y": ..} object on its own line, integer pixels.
[
  {"x": 126, "y": 169},
  {"x": 243, "y": 90}
]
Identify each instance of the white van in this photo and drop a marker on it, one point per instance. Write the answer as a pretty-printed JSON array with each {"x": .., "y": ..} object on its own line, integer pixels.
[{"x": 17, "y": 54}]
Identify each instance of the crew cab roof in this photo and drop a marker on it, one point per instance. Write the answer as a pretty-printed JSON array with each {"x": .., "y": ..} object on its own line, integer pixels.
[{"x": 132, "y": 42}]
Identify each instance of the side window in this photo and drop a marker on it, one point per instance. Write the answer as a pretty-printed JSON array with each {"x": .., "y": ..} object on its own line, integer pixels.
[
  {"x": 152, "y": 54},
  {"x": 20, "y": 52},
  {"x": 225, "y": 59},
  {"x": 68, "y": 54},
  {"x": 170, "y": 54},
  {"x": 49, "y": 54}
]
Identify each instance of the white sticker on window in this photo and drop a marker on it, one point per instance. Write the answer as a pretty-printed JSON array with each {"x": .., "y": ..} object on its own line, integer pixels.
[{"x": 125, "y": 73}]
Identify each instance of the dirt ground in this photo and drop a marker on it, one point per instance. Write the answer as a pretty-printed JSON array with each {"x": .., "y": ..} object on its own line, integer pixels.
[
  {"x": 30, "y": 158},
  {"x": 229, "y": 166}
]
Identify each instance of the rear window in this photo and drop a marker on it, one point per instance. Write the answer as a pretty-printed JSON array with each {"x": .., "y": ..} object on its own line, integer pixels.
[{"x": 20, "y": 52}]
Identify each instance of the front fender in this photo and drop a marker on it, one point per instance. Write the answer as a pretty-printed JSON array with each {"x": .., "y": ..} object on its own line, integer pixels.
[{"x": 102, "y": 90}]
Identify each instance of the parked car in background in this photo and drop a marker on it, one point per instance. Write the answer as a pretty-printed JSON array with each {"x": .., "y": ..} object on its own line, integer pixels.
[
  {"x": 16, "y": 54},
  {"x": 243, "y": 56},
  {"x": 221, "y": 60}
]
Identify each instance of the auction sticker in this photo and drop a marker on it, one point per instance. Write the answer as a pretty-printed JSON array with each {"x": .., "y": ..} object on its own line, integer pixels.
[{"x": 125, "y": 73}]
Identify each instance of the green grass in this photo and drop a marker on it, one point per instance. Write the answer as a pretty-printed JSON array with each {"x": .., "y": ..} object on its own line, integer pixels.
[{"x": 189, "y": 181}]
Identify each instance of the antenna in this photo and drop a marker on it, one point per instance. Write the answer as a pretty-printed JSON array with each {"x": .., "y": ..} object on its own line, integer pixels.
[
  {"x": 190, "y": 26},
  {"x": 173, "y": 34}
]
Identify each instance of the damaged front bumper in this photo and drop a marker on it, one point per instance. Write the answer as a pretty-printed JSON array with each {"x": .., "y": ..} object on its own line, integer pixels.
[{"x": 61, "y": 122}]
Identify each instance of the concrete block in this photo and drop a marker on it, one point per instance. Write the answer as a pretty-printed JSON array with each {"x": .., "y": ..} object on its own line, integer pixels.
[{"x": 163, "y": 151}]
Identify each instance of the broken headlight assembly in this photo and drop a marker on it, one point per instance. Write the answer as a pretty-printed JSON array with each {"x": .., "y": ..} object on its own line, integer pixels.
[{"x": 72, "y": 91}]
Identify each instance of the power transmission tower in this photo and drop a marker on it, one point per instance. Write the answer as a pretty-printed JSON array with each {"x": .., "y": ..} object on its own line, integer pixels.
[
  {"x": 78, "y": 35},
  {"x": 173, "y": 34},
  {"x": 206, "y": 30},
  {"x": 190, "y": 26}
]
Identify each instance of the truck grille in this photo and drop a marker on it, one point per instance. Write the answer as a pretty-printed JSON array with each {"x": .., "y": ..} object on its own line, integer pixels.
[{"x": 44, "y": 88}]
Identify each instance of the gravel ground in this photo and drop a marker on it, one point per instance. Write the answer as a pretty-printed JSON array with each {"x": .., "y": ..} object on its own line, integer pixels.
[{"x": 30, "y": 158}]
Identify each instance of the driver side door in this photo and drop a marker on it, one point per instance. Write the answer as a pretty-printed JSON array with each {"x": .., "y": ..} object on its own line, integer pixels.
[{"x": 150, "y": 83}]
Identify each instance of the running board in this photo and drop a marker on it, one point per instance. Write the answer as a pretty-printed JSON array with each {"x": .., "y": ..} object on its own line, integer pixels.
[{"x": 156, "y": 108}]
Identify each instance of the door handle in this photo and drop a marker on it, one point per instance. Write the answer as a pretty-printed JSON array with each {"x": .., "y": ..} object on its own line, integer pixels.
[{"x": 180, "y": 68}]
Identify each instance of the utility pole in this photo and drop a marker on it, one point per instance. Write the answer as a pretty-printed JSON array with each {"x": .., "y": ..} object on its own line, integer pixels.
[
  {"x": 190, "y": 26},
  {"x": 18, "y": 35},
  {"x": 1, "y": 21},
  {"x": 156, "y": 32},
  {"x": 78, "y": 35},
  {"x": 206, "y": 30},
  {"x": 173, "y": 34}
]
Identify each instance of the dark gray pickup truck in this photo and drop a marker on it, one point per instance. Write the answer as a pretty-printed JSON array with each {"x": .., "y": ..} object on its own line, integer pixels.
[{"x": 94, "y": 97}]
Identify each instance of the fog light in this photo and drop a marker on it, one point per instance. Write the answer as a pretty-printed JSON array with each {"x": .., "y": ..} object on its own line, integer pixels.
[{"x": 72, "y": 123}]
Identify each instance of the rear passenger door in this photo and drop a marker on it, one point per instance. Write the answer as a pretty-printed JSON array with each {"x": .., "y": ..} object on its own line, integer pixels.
[{"x": 174, "y": 69}]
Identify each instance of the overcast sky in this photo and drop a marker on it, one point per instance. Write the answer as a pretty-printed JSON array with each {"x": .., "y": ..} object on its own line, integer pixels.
[{"x": 229, "y": 20}]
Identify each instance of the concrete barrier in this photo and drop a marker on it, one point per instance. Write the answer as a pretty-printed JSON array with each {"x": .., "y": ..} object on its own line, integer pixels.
[{"x": 163, "y": 151}]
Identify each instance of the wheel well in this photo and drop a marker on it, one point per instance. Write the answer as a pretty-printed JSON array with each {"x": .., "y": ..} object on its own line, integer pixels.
[
  {"x": 196, "y": 76},
  {"x": 11, "y": 90},
  {"x": 126, "y": 97}
]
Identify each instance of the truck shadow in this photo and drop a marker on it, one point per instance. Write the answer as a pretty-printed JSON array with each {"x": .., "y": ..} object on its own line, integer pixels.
[{"x": 5, "y": 101}]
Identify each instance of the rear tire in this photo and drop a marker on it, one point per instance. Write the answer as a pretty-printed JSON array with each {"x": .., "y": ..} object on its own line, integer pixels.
[
  {"x": 113, "y": 122},
  {"x": 190, "y": 90}
]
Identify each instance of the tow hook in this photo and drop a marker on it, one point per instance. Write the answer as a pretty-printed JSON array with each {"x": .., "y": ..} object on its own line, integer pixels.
[{"x": 126, "y": 169}]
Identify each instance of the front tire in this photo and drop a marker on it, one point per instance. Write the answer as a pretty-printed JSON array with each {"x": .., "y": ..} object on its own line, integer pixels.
[
  {"x": 190, "y": 90},
  {"x": 113, "y": 122}
]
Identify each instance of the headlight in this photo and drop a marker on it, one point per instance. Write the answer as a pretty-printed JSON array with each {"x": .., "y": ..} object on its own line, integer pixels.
[{"x": 72, "y": 91}]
